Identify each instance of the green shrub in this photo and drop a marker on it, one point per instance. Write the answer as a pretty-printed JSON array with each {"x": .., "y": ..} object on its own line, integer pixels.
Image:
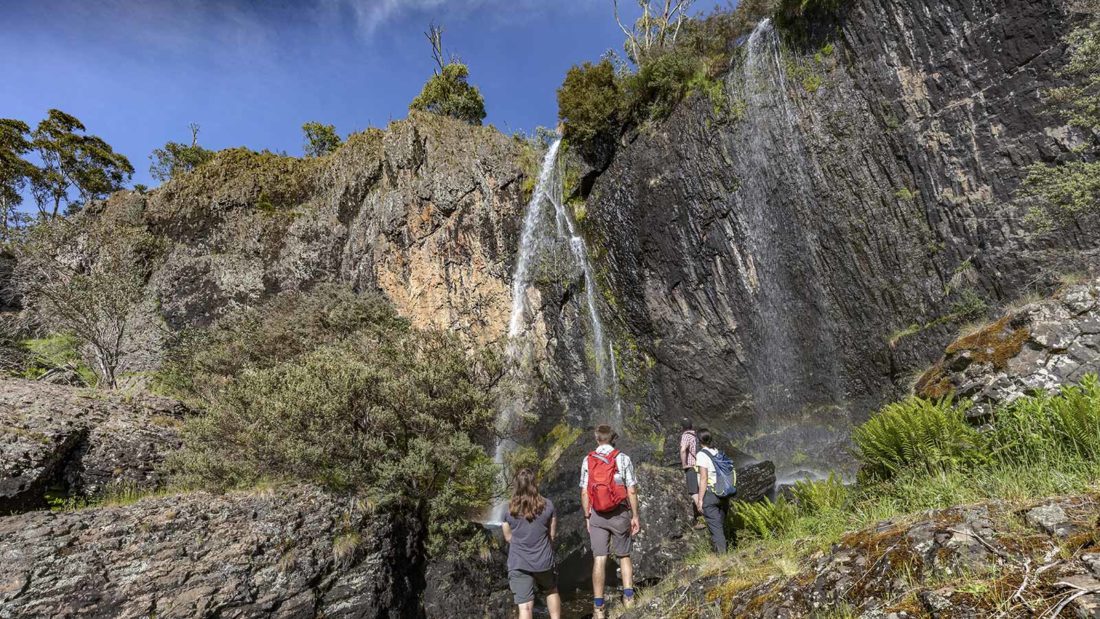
[
  {"x": 815, "y": 497},
  {"x": 590, "y": 106},
  {"x": 1043, "y": 429},
  {"x": 387, "y": 414},
  {"x": 932, "y": 436},
  {"x": 768, "y": 518},
  {"x": 291, "y": 324},
  {"x": 449, "y": 94},
  {"x": 320, "y": 139}
]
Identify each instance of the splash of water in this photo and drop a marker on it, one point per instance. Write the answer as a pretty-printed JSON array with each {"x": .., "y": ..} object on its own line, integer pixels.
[{"x": 535, "y": 236}]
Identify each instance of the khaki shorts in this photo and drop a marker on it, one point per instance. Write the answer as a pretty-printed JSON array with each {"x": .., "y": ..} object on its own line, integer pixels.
[
  {"x": 610, "y": 533},
  {"x": 522, "y": 583}
]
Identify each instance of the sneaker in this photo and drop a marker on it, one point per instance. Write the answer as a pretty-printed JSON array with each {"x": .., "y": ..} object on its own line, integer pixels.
[
  {"x": 628, "y": 602},
  {"x": 599, "y": 612}
]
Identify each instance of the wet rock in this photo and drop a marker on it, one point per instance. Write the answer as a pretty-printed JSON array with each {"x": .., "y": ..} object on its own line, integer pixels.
[
  {"x": 289, "y": 552},
  {"x": 756, "y": 481},
  {"x": 79, "y": 440}
]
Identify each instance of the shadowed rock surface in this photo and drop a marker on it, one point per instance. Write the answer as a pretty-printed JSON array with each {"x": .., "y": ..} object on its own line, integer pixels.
[
  {"x": 770, "y": 260},
  {"x": 79, "y": 441},
  {"x": 287, "y": 553}
]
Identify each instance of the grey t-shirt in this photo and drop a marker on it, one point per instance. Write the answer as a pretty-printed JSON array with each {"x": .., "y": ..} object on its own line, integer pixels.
[{"x": 530, "y": 549}]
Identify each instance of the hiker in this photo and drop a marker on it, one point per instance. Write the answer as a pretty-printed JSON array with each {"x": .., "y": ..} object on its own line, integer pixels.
[
  {"x": 717, "y": 483},
  {"x": 689, "y": 444},
  {"x": 609, "y": 498},
  {"x": 529, "y": 528}
]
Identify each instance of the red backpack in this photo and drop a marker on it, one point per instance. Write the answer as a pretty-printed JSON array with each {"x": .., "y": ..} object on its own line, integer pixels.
[{"x": 604, "y": 494}]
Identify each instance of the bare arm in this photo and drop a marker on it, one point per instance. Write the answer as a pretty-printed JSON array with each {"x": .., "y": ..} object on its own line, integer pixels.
[
  {"x": 684, "y": 453},
  {"x": 635, "y": 520},
  {"x": 584, "y": 503},
  {"x": 507, "y": 530},
  {"x": 553, "y": 527},
  {"x": 703, "y": 479}
]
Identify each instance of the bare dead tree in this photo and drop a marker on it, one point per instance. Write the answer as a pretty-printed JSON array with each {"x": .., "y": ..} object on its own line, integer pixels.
[
  {"x": 657, "y": 27},
  {"x": 194, "y": 127},
  {"x": 435, "y": 37}
]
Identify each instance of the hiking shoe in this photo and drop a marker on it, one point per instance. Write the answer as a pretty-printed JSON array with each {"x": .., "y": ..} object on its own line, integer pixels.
[
  {"x": 628, "y": 602},
  {"x": 599, "y": 612},
  {"x": 699, "y": 525}
]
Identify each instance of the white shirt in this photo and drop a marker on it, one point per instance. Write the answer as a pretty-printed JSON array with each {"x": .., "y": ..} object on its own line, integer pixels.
[
  {"x": 703, "y": 461},
  {"x": 623, "y": 476}
]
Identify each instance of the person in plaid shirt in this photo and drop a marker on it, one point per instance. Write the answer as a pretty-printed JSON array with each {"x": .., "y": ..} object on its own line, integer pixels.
[{"x": 689, "y": 445}]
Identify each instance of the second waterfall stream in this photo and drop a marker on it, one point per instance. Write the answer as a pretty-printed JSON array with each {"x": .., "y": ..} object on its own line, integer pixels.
[{"x": 545, "y": 223}]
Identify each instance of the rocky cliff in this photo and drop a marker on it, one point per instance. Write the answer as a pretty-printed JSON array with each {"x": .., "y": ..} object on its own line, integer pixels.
[
  {"x": 789, "y": 261},
  {"x": 80, "y": 442},
  {"x": 287, "y": 552}
]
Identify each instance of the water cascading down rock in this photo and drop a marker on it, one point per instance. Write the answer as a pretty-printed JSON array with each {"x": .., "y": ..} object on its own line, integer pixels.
[{"x": 546, "y": 225}]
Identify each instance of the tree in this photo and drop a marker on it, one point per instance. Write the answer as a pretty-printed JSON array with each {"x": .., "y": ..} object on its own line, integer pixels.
[
  {"x": 591, "y": 110},
  {"x": 73, "y": 160},
  {"x": 448, "y": 92},
  {"x": 95, "y": 293},
  {"x": 320, "y": 139},
  {"x": 15, "y": 172},
  {"x": 332, "y": 387},
  {"x": 177, "y": 158},
  {"x": 656, "y": 29}
]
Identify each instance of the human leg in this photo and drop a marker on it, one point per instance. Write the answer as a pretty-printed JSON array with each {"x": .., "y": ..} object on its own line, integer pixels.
[
  {"x": 522, "y": 585},
  {"x": 527, "y": 610},
  {"x": 715, "y": 519}
]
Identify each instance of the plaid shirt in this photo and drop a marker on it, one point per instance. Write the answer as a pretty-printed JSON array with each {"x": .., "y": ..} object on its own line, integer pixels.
[
  {"x": 688, "y": 439},
  {"x": 625, "y": 474}
]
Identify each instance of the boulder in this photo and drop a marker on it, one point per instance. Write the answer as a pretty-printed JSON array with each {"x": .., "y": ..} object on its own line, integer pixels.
[
  {"x": 79, "y": 441},
  {"x": 294, "y": 552},
  {"x": 1038, "y": 347}
]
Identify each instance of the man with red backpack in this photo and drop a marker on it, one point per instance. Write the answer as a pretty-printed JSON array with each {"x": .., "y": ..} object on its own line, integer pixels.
[{"x": 609, "y": 498}]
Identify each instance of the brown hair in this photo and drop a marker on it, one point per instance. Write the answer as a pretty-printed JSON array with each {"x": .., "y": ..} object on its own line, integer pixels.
[
  {"x": 526, "y": 501},
  {"x": 604, "y": 434}
]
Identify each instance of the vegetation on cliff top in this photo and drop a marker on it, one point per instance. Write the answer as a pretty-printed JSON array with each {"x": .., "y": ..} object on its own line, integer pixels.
[
  {"x": 672, "y": 53},
  {"x": 447, "y": 92}
]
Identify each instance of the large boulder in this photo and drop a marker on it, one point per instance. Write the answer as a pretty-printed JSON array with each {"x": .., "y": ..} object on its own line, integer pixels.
[
  {"x": 79, "y": 441},
  {"x": 1037, "y": 347},
  {"x": 293, "y": 552}
]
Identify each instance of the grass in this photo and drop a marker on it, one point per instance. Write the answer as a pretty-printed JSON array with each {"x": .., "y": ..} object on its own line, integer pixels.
[{"x": 1039, "y": 446}]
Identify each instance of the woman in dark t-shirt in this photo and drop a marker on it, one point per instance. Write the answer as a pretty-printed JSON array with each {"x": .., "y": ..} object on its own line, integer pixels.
[{"x": 529, "y": 529}]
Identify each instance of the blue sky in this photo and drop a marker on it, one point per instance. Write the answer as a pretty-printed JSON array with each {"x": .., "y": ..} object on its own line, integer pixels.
[{"x": 250, "y": 72}]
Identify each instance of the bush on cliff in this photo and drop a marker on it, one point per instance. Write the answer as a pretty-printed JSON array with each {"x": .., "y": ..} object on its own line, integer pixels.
[
  {"x": 331, "y": 389},
  {"x": 1058, "y": 194}
]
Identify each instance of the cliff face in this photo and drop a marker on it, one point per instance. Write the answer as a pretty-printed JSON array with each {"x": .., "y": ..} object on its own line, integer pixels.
[
  {"x": 790, "y": 260},
  {"x": 427, "y": 212}
]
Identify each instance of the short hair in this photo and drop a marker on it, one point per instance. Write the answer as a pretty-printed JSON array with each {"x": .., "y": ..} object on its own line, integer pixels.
[
  {"x": 604, "y": 434},
  {"x": 704, "y": 436},
  {"x": 685, "y": 424}
]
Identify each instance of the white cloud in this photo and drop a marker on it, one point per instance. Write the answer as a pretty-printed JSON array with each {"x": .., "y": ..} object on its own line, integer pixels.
[{"x": 370, "y": 14}]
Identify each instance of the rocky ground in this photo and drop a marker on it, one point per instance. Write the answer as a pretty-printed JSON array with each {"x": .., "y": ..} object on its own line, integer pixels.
[
  {"x": 992, "y": 559},
  {"x": 79, "y": 441},
  {"x": 286, "y": 552}
]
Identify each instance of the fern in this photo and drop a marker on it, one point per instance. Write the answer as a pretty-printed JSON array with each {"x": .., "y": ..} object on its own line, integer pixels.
[
  {"x": 814, "y": 497},
  {"x": 917, "y": 434},
  {"x": 766, "y": 519}
]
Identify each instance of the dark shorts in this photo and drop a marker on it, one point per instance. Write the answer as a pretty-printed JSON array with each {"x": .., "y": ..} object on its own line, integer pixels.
[
  {"x": 691, "y": 476},
  {"x": 522, "y": 583},
  {"x": 610, "y": 533}
]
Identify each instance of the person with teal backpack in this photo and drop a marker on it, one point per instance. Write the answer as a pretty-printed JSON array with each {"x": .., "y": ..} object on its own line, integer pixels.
[{"x": 717, "y": 483}]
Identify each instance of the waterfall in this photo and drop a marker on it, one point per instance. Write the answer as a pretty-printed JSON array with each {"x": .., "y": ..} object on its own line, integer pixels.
[
  {"x": 776, "y": 205},
  {"x": 536, "y": 237}
]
